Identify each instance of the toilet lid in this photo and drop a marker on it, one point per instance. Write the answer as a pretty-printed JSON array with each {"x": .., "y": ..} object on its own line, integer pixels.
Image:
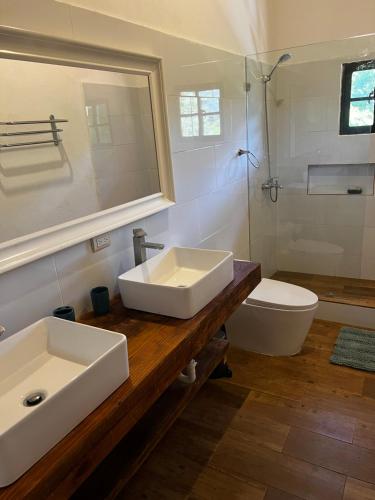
[{"x": 280, "y": 295}]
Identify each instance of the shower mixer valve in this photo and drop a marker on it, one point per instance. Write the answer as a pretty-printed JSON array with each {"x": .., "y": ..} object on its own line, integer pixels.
[
  {"x": 272, "y": 182},
  {"x": 272, "y": 185}
]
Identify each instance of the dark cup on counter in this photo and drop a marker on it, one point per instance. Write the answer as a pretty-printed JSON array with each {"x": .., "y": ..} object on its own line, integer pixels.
[
  {"x": 65, "y": 312},
  {"x": 100, "y": 300}
]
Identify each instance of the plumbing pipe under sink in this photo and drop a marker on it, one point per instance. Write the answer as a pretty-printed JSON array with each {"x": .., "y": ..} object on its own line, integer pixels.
[{"x": 190, "y": 375}]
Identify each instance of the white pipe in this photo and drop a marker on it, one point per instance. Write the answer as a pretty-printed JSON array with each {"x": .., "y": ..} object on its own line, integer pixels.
[{"x": 191, "y": 375}]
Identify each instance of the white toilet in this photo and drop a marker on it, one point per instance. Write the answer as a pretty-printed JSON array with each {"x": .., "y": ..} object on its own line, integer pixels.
[{"x": 274, "y": 319}]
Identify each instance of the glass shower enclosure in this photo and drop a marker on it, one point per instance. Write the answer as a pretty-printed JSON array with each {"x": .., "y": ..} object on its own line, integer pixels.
[{"x": 311, "y": 130}]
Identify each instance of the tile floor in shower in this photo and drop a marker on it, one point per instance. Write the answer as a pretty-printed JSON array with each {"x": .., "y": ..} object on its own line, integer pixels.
[{"x": 351, "y": 291}]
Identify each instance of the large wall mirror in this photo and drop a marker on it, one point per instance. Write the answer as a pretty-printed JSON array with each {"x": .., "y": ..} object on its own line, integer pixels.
[{"x": 83, "y": 143}]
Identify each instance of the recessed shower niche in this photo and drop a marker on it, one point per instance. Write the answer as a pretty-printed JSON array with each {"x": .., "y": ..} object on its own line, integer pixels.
[{"x": 353, "y": 179}]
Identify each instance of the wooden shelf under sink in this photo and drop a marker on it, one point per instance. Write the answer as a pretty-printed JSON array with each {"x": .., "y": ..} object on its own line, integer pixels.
[{"x": 128, "y": 456}]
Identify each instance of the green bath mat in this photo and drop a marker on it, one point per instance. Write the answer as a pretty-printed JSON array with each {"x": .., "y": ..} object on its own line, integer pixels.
[{"x": 356, "y": 348}]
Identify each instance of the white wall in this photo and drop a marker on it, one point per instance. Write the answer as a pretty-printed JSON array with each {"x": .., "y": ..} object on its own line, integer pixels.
[
  {"x": 245, "y": 26},
  {"x": 240, "y": 26},
  {"x": 211, "y": 188},
  {"x": 300, "y": 22}
]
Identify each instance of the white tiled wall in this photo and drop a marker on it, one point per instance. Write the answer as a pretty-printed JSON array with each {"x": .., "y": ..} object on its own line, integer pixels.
[
  {"x": 324, "y": 234},
  {"x": 211, "y": 209}
]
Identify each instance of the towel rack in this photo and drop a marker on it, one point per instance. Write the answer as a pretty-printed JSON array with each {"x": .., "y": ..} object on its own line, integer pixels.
[{"x": 54, "y": 131}]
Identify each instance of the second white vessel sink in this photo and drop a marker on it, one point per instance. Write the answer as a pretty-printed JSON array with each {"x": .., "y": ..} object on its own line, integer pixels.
[
  {"x": 178, "y": 282},
  {"x": 52, "y": 375}
]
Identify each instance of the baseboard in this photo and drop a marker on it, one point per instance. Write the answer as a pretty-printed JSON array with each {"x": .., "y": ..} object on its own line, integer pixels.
[{"x": 347, "y": 314}]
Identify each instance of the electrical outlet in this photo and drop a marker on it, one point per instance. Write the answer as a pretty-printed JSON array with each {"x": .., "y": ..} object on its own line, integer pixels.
[{"x": 101, "y": 241}]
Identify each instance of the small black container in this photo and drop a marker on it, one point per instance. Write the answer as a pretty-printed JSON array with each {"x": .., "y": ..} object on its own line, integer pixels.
[
  {"x": 100, "y": 300},
  {"x": 354, "y": 190},
  {"x": 65, "y": 312}
]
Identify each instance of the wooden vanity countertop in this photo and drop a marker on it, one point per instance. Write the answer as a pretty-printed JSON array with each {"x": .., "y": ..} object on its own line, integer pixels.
[{"x": 159, "y": 347}]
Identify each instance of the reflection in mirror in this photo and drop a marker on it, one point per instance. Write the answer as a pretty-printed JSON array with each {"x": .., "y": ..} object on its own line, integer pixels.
[{"x": 105, "y": 156}]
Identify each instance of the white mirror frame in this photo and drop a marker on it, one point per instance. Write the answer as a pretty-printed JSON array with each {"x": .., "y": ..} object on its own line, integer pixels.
[{"x": 28, "y": 46}]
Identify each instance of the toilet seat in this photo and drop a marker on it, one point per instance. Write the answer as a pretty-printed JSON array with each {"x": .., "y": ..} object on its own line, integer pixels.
[{"x": 279, "y": 295}]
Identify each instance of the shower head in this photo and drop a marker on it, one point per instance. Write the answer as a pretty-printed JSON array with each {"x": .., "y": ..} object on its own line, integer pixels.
[{"x": 283, "y": 58}]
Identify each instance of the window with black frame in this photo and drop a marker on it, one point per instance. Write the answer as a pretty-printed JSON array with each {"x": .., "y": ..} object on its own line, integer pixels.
[{"x": 357, "y": 98}]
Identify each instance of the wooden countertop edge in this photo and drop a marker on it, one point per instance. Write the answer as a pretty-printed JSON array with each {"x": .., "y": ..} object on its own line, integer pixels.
[{"x": 66, "y": 465}]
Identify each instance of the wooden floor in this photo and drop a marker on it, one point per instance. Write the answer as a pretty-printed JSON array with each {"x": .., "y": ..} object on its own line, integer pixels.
[
  {"x": 352, "y": 291},
  {"x": 281, "y": 428}
]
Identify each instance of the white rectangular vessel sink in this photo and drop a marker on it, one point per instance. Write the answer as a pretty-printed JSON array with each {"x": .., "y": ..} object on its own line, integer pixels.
[
  {"x": 63, "y": 370},
  {"x": 178, "y": 282}
]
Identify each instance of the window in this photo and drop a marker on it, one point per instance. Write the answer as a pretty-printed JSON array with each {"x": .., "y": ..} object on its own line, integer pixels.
[
  {"x": 200, "y": 113},
  {"x": 98, "y": 122},
  {"x": 357, "y": 98}
]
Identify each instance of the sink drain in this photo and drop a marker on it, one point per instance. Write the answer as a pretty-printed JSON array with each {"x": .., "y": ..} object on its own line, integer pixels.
[{"x": 34, "y": 398}]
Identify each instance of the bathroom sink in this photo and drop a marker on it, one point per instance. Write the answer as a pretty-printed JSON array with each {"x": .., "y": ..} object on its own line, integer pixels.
[
  {"x": 52, "y": 375},
  {"x": 178, "y": 282}
]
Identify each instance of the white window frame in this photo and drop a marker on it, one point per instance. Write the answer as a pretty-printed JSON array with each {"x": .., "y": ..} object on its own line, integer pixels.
[{"x": 200, "y": 114}]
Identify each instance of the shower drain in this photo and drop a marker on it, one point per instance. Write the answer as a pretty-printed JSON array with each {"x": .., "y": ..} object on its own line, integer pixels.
[{"x": 34, "y": 398}]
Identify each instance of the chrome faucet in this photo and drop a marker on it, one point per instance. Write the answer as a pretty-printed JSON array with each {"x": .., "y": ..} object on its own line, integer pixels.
[
  {"x": 140, "y": 245},
  {"x": 272, "y": 182},
  {"x": 272, "y": 185}
]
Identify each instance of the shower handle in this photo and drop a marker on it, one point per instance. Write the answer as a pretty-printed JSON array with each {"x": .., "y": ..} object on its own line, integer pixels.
[{"x": 272, "y": 182}]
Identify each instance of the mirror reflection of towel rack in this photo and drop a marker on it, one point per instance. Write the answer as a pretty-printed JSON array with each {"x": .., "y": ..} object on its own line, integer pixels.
[
  {"x": 54, "y": 131},
  {"x": 250, "y": 156}
]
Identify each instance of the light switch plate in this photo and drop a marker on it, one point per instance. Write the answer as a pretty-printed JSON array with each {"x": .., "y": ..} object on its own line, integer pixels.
[{"x": 101, "y": 241}]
